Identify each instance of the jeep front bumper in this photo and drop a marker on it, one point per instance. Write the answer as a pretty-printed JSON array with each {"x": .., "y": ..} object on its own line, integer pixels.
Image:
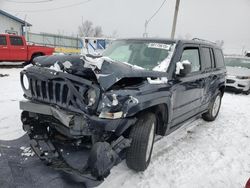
[
  {"x": 100, "y": 158},
  {"x": 79, "y": 124}
]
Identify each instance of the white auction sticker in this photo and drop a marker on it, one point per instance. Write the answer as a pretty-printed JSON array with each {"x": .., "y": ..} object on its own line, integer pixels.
[{"x": 159, "y": 45}]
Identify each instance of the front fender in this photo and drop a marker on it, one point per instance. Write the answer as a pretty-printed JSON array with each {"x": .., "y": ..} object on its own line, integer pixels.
[{"x": 148, "y": 101}]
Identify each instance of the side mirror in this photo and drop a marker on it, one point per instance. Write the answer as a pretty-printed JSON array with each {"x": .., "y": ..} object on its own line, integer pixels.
[{"x": 183, "y": 68}]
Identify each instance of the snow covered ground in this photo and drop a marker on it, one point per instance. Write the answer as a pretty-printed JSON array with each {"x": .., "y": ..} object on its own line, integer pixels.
[
  {"x": 201, "y": 154},
  {"x": 10, "y": 95}
]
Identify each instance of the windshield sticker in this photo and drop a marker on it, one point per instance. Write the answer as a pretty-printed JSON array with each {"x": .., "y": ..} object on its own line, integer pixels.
[{"x": 159, "y": 45}]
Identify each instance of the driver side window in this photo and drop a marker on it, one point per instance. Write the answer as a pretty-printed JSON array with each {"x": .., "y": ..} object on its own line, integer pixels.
[{"x": 192, "y": 55}]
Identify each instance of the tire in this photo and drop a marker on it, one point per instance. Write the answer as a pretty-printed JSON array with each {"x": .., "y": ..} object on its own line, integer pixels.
[
  {"x": 247, "y": 92},
  {"x": 142, "y": 134},
  {"x": 31, "y": 60},
  {"x": 213, "y": 109},
  {"x": 34, "y": 56},
  {"x": 25, "y": 63}
]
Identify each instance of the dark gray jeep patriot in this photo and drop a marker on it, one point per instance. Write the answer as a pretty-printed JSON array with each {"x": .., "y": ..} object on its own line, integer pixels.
[{"x": 111, "y": 107}]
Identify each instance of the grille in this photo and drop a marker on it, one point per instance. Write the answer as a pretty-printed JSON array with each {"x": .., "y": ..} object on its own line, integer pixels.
[
  {"x": 229, "y": 81},
  {"x": 71, "y": 96}
]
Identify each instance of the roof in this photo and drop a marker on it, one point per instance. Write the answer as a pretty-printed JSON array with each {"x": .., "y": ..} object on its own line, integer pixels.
[
  {"x": 194, "y": 41},
  {"x": 14, "y": 18}
]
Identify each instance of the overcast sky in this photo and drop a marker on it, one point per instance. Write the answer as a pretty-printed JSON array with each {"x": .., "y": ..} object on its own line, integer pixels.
[{"x": 227, "y": 20}]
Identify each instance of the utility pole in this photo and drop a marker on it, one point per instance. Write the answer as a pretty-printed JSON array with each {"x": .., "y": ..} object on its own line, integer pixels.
[
  {"x": 145, "y": 34},
  {"x": 175, "y": 18},
  {"x": 26, "y": 28}
]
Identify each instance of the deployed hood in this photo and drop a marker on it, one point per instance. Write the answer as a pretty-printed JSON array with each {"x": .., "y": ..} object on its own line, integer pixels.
[
  {"x": 238, "y": 71},
  {"x": 102, "y": 69}
]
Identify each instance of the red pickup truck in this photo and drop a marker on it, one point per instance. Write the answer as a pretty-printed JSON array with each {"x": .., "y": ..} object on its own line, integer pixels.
[{"x": 14, "y": 48}]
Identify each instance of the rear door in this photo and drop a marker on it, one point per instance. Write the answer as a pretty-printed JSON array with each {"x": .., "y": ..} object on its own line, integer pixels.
[
  {"x": 207, "y": 72},
  {"x": 18, "y": 49},
  {"x": 187, "y": 91},
  {"x": 4, "y": 49}
]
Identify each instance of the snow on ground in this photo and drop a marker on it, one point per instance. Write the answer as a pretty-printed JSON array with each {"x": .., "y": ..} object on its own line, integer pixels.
[
  {"x": 10, "y": 95},
  {"x": 200, "y": 154}
]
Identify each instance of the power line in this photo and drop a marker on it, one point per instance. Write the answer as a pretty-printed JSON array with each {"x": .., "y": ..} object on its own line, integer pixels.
[
  {"x": 31, "y": 2},
  {"x": 52, "y": 9},
  {"x": 156, "y": 12},
  {"x": 145, "y": 34}
]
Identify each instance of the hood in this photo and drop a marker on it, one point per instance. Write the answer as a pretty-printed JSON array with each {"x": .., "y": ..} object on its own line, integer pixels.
[
  {"x": 102, "y": 69},
  {"x": 238, "y": 71}
]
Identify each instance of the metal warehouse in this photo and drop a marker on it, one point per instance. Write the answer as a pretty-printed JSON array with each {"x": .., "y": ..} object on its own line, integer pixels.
[{"x": 11, "y": 24}]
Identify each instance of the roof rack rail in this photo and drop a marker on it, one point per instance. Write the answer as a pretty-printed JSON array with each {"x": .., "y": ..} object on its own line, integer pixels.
[{"x": 203, "y": 40}]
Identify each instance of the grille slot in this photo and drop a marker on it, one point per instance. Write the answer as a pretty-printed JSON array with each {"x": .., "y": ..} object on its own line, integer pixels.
[
  {"x": 59, "y": 93},
  {"x": 229, "y": 81}
]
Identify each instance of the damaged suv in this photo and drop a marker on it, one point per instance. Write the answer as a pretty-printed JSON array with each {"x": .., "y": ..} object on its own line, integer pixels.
[{"x": 112, "y": 106}]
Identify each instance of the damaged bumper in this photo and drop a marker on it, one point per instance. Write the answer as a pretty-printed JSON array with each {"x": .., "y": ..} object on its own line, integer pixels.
[
  {"x": 79, "y": 124},
  {"x": 101, "y": 156},
  {"x": 100, "y": 159}
]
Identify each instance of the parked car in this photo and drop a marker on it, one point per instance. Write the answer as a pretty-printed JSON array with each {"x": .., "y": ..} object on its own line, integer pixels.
[
  {"x": 248, "y": 184},
  {"x": 248, "y": 53},
  {"x": 238, "y": 73},
  {"x": 116, "y": 104},
  {"x": 15, "y": 49}
]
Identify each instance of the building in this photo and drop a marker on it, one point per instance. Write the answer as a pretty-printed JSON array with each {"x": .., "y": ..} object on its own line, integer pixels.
[{"x": 11, "y": 24}]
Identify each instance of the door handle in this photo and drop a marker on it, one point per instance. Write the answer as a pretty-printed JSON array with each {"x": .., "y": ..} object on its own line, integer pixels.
[{"x": 5, "y": 47}]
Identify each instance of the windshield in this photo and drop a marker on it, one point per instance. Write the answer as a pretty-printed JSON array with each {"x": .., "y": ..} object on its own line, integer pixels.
[
  {"x": 238, "y": 62},
  {"x": 144, "y": 54}
]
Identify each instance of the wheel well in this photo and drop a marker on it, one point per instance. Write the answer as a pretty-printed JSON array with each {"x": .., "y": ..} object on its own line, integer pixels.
[
  {"x": 161, "y": 112},
  {"x": 37, "y": 54},
  {"x": 222, "y": 89}
]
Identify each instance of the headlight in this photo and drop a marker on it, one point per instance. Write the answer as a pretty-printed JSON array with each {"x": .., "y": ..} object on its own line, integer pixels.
[
  {"x": 243, "y": 77},
  {"x": 110, "y": 115},
  {"x": 91, "y": 96},
  {"x": 26, "y": 83}
]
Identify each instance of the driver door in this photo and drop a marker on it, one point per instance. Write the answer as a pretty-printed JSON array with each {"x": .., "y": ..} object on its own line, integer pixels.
[{"x": 187, "y": 91}]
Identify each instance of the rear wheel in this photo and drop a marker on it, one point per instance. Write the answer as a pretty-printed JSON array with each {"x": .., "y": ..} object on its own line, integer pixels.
[
  {"x": 32, "y": 59},
  {"x": 247, "y": 92},
  {"x": 213, "y": 109},
  {"x": 142, "y": 135}
]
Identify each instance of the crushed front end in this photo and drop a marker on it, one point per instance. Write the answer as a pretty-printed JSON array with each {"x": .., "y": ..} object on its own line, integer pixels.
[{"x": 60, "y": 116}]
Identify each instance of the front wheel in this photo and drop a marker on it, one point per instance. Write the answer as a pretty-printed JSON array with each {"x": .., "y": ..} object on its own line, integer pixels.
[
  {"x": 213, "y": 109},
  {"x": 247, "y": 92},
  {"x": 142, "y": 135}
]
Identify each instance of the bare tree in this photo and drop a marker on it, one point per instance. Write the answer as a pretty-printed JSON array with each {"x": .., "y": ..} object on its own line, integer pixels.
[
  {"x": 114, "y": 34},
  {"x": 86, "y": 29},
  {"x": 98, "y": 31}
]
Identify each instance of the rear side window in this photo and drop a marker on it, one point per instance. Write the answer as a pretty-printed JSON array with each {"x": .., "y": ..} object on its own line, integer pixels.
[
  {"x": 192, "y": 55},
  {"x": 16, "y": 41},
  {"x": 219, "y": 58},
  {"x": 207, "y": 58},
  {"x": 3, "y": 40}
]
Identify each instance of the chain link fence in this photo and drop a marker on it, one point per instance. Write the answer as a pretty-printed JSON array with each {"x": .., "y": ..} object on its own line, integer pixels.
[{"x": 57, "y": 41}]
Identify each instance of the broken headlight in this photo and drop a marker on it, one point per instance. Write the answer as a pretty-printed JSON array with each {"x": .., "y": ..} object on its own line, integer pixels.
[
  {"x": 91, "y": 97},
  {"x": 111, "y": 115},
  {"x": 112, "y": 108}
]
